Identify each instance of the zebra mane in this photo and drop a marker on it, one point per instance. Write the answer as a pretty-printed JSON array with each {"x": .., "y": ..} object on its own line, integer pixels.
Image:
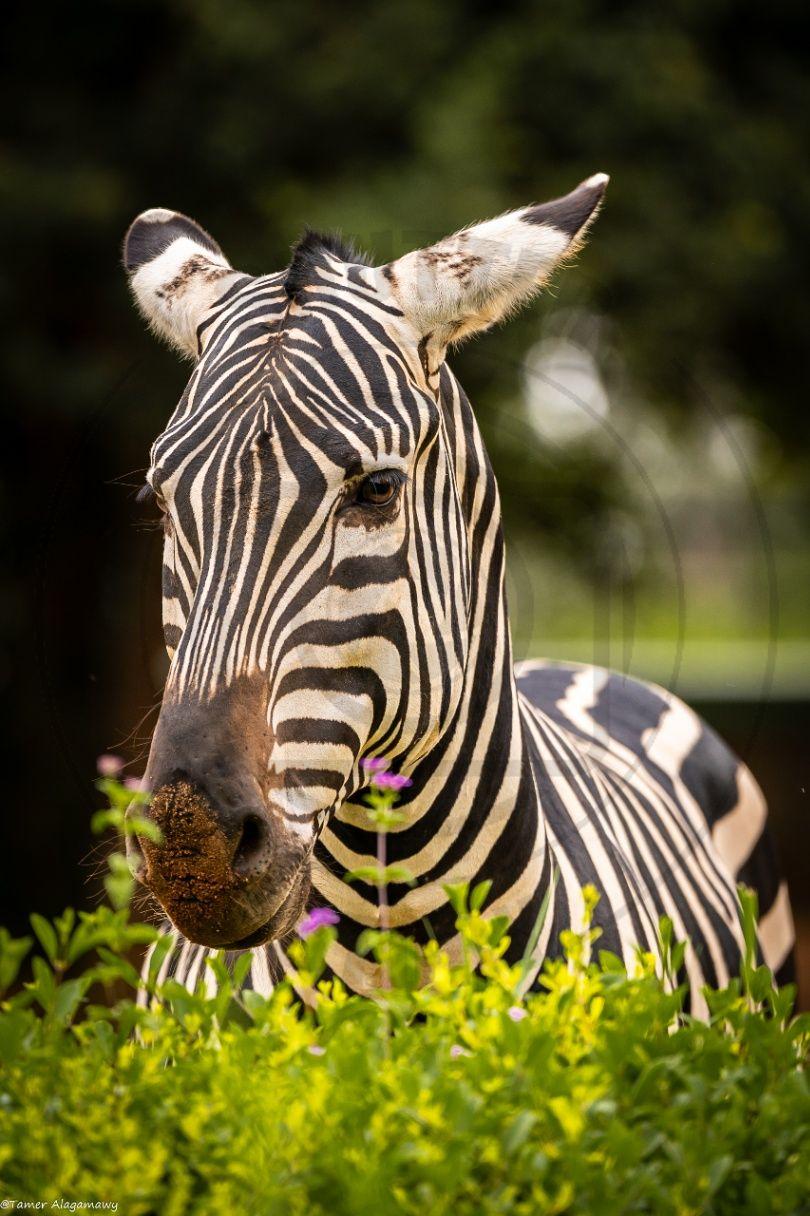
[{"x": 311, "y": 251}]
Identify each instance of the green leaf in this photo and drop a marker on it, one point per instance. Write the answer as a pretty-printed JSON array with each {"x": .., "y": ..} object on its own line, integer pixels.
[
  {"x": 109, "y": 817},
  {"x": 139, "y": 825},
  {"x": 610, "y": 962},
  {"x": 68, "y": 998},
  {"x": 46, "y": 935},
  {"x": 12, "y": 953},
  {"x": 255, "y": 1004},
  {"x": 241, "y": 968},
  {"x": 368, "y": 940},
  {"x": 314, "y": 950},
  {"x": 518, "y": 1132},
  {"x": 43, "y": 986},
  {"x": 161, "y": 948},
  {"x": 64, "y": 927},
  {"x": 479, "y": 894},
  {"x": 457, "y": 895},
  {"x": 528, "y": 960},
  {"x": 719, "y": 1170},
  {"x": 498, "y": 926},
  {"x": 119, "y": 883},
  {"x": 119, "y": 967},
  {"x": 380, "y": 876},
  {"x": 15, "y": 1026}
]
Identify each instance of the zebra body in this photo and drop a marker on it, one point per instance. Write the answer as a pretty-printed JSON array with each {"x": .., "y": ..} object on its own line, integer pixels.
[{"x": 334, "y": 588}]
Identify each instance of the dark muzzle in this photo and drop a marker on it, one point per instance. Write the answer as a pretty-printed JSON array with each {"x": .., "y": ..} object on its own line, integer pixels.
[
  {"x": 230, "y": 883},
  {"x": 227, "y": 871}
]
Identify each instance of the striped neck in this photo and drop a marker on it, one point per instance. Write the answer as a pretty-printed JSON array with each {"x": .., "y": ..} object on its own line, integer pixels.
[{"x": 473, "y": 809}]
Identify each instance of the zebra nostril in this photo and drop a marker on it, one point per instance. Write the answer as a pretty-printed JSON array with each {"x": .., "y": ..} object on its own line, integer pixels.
[{"x": 251, "y": 851}]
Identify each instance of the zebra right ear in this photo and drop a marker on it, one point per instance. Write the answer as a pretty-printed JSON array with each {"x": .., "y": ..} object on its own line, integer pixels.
[{"x": 177, "y": 273}]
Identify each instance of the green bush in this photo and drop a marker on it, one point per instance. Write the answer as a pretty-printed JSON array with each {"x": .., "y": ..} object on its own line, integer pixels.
[
  {"x": 593, "y": 1095},
  {"x": 455, "y": 1091}
]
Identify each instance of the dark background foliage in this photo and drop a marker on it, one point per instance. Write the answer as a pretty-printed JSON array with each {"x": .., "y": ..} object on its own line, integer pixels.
[{"x": 396, "y": 123}]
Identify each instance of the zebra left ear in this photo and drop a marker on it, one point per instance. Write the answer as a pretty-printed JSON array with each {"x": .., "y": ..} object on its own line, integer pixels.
[
  {"x": 470, "y": 280},
  {"x": 177, "y": 273}
]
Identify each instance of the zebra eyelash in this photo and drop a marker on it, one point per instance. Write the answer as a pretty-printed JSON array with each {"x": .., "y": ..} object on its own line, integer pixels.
[
  {"x": 147, "y": 496},
  {"x": 355, "y": 485},
  {"x": 396, "y": 475}
]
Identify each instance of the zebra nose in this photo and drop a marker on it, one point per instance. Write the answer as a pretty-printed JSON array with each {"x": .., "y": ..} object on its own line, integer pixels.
[
  {"x": 233, "y": 835},
  {"x": 219, "y": 873}
]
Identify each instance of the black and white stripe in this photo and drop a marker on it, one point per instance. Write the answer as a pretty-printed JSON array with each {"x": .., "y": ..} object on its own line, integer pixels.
[{"x": 346, "y": 634}]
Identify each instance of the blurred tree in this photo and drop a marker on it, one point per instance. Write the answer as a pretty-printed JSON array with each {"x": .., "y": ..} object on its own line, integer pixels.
[{"x": 399, "y": 121}]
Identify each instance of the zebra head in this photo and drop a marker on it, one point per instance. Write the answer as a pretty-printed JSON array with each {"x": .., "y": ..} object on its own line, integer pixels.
[{"x": 325, "y": 499}]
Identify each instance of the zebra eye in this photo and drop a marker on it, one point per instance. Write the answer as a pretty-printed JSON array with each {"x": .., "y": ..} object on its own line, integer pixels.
[{"x": 378, "y": 489}]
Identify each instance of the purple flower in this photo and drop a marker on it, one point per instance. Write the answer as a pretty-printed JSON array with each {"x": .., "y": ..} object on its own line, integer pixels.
[
  {"x": 381, "y": 777},
  {"x": 137, "y": 784},
  {"x": 315, "y": 1050},
  {"x": 109, "y": 766},
  {"x": 374, "y": 764},
  {"x": 390, "y": 781},
  {"x": 457, "y": 1050},
  {"x": 516, "y": 1013},
  {"x": 316, "y": 918}
]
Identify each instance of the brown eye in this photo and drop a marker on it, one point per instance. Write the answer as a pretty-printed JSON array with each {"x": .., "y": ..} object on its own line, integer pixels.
[{"x": 378, "y": 489}]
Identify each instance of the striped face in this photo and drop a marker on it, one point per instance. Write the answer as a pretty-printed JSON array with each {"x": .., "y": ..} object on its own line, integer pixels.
[
  {"x": 316, "y": 579},
  {"x": 315, "y": 551}
]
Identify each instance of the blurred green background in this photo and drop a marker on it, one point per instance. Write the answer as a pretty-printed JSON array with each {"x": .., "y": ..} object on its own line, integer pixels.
[{"x": 647, "y": 419}]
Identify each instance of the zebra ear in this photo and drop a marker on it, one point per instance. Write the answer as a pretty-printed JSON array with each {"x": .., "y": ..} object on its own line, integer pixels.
[
  {"x": 472, "y": 279},
  {"x": 177, "y": 273}
]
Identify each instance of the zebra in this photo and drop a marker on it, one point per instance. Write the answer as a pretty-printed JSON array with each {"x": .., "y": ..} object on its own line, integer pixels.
[{"x": 334, "y": 589}]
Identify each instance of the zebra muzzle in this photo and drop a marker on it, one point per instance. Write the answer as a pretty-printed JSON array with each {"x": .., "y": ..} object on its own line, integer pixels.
[{"x": 224, "y": 880}]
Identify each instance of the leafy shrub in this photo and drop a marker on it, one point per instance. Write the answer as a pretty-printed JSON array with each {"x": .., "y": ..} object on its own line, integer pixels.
[{"x": 595, "y": 1094}]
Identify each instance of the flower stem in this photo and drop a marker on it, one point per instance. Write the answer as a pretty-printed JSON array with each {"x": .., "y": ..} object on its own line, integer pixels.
[{"x": 382, "y": 894}]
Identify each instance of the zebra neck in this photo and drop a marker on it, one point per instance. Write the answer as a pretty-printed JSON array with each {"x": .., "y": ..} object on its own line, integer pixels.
[
  {"x": 483, "y": 794},
  {"x": 473, "y": 811}
]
